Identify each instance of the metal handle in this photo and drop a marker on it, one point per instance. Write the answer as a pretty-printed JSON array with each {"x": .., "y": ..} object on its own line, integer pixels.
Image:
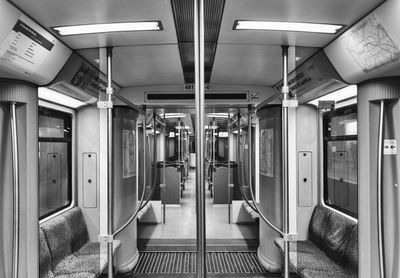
[
  {"x": 381, "y": 244},
  {"x": 16, "y": 212}
]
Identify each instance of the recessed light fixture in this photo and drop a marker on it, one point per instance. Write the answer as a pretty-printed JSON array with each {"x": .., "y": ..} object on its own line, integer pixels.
[
  {"x": 182, "y": 127},
  {"x": 61, "y": 99},
  {"x": 217, "y": 115},
  {"x": 342, "y": 97},
  {"x": 108, "y": 27},
  {"x": 173, "y": 115},
  {"x": 286, "y": 26}
]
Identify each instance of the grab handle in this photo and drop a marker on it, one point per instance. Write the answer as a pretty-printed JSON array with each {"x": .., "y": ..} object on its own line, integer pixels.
[
  {"x": 15, "y": 159},
  {"x": 381, "y": 244}
]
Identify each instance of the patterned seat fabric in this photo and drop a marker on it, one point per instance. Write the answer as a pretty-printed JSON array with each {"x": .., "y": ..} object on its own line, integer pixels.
[
  {"x": 332, "y": 248},
  {"x": 65, "y": 249}
]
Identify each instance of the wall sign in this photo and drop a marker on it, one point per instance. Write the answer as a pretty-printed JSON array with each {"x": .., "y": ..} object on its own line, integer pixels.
[{"x": 25, "y": 47}]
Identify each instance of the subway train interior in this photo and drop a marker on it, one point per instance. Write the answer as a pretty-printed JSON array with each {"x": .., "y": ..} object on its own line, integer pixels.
[{"x": 199, "y": 138}]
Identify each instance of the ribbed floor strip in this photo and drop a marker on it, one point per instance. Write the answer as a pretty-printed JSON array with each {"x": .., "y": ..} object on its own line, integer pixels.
[{"x": 185, "y": 262}]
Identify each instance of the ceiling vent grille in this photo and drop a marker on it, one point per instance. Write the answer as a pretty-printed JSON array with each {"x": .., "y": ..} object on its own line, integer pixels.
[
  {"x": 185, "y": 97},
  {"x": 183, "y": 16}
]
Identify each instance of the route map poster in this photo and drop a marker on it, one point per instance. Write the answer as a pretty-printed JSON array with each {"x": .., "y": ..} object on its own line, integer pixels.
[
  {"x": 128, "y": 153},
  {"x": 370, "y": 44},
  {"x": 267, "y": 152}
]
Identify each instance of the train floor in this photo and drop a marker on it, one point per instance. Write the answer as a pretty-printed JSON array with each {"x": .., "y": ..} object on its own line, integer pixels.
[
  {"x": 169, "y": 250},
  {"x": 180, "y": 221}
]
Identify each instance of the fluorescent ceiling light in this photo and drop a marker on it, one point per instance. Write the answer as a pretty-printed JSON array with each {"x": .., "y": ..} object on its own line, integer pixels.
[
  {"x": 173, "y": 115},
  {"x": 108, "y": 27},
  {"x": 151, "y": 132},
  {"x": 217, "y": 115},
  {"x": 61, "y": 99},
  {"x": 286, "y": 26},
  {"x": 182, "y": 127},
  {"x": 343, "y": 97}
]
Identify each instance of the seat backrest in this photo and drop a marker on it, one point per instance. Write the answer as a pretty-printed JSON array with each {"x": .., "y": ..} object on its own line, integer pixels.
[
  {"x": 58, "y": 236},
  {"x": 77, "y": 226},
  {"x": 351, "y": 254},
  {"x": 45, "y": 269},
  {"x": 330, "y": 232},
  {"x": 65, "y": 234}
]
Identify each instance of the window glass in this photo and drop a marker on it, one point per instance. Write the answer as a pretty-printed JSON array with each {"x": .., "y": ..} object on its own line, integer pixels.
[
  {"x": 52, "y": 127},
  {"x": 343, "y": 125},
  {"x": 341, "y": 160},
  {"x": 55, "y": 187}
]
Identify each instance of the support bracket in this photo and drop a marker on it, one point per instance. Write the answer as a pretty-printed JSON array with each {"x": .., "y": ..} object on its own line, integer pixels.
[
  {"x": 293, "y": 103},
  {"x": 105, "y": 238},
  {"x": 104, "y": 104},
  {"x": 290, "y": 237},
  {"x": 109, "y": 90}
]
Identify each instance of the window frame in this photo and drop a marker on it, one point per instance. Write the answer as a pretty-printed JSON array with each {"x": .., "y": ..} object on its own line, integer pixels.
[
  {"x": 68, "y": 117},
  {"x": 326, "y": 137}
]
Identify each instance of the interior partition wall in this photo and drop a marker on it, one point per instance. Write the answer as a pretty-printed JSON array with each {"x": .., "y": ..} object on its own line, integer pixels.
[
  {"x": 24, "y": 95},
  {"x": 375, "y": 98}
]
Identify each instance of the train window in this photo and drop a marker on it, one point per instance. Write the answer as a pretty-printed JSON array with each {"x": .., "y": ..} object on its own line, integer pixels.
[
  {"x": 341, "y": 160},
  {"x": 55, "y": 179}
]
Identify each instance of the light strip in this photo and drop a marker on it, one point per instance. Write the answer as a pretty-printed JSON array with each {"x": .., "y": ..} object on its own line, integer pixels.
[
  {"x": 61, "y": 99},
  {"x": 340, "y": 96},
  {"x": 217, "y": 115},
  {"x": 286, "y": 26},
  {"x": 108, "y": 27},
  {"x": 173, "y": 115},
  {"x": 182, "y": 127}
]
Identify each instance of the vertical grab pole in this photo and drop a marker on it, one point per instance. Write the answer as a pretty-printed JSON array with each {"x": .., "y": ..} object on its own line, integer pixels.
[
  {"x": 15, "y": 160},
  {"x": 214, "y": 168},
  {"x": 179, "y": 153},
  {"x": 285, "y": 160},
  {"x": 154, "y": 176},
  {"x": 199, "y": 89},
  {"x": 144, "y": 150},
  {"x": 110, "y": 196},
  {"x": 249, "y": 146},
  {"x": 165, "y": 156},
  {"x": 229, "y": 171},
  {"x": 238, "y": 150},
  {"x": 381, "y": 246}
]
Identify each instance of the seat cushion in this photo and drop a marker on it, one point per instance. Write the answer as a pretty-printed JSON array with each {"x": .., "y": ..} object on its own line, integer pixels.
[
  {"x": 77, "y": 264},
  {"x": 302, "y": 246},
  {"x": 311, "y": 273},
  {"x": 93, "y": 248},
  {"x": 317, "y": 261},
  {"x": 77, "y": 275}
]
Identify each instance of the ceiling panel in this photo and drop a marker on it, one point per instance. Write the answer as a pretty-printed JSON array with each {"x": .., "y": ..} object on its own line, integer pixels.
[
  {"x": 317, "y": 11},
  {"x": 252, "y": 64},
  {"x": 51, "y": 13},
  {"x": 143, "y": 65}
]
